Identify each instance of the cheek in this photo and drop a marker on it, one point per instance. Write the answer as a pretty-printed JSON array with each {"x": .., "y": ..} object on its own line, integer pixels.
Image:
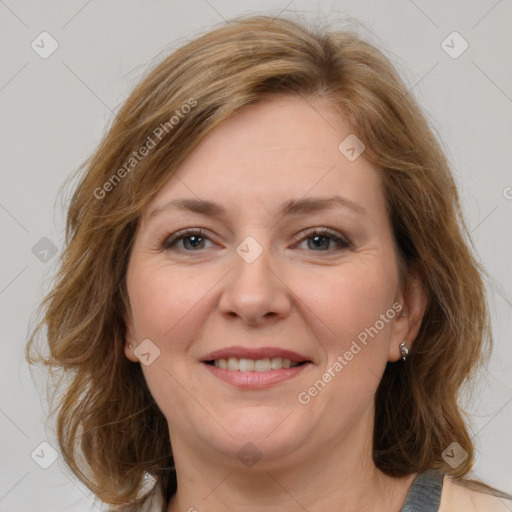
[
  {"x": 349, "y": 301},
  {"x": 353, "y": 337},
  {"x": 163, "y": 297},
  {"x": 166, "y": 303}
]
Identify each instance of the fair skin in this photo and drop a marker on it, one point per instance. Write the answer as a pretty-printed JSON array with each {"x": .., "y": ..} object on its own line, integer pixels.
[{"x": 313, "y": 296}]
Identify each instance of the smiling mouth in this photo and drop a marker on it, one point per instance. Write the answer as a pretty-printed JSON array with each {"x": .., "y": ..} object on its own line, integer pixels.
[
  {"x": 254, "y": 365},
  {"x": 255, "y": 368}
]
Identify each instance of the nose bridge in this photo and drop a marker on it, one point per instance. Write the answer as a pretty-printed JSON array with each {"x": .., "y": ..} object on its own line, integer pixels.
[{"x": 253, "y": 292}]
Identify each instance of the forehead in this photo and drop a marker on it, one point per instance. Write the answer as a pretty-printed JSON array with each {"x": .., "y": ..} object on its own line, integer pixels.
[{"x": 283, "y": 148}]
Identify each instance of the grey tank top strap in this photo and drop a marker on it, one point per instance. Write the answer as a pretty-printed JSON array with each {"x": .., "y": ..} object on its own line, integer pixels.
[{"x": 425, "y": 493}]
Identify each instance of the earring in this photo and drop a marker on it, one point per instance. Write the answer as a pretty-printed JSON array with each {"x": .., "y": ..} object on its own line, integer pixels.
[
  {"x": 404, "y": 350},
  {"x": 130, "y": 346}
]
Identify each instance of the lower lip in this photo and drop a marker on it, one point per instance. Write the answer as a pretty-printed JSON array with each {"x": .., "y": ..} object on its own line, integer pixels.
[{"x": 255, "y": 380}]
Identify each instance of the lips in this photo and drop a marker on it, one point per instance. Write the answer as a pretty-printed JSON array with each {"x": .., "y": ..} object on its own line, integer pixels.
[{"x": 255, "y": 368}]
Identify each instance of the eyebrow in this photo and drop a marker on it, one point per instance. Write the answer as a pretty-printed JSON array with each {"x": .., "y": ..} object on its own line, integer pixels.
[{"x": 291, "y": 207}]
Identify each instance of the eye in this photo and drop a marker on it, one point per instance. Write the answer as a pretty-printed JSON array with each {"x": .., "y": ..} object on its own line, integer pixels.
[
  {"x": 192, "y": 239},
  {"x": 322, "y": 240}
]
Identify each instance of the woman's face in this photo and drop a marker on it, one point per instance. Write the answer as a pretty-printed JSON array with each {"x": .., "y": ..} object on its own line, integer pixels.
[{"x": 294, "y": 265}]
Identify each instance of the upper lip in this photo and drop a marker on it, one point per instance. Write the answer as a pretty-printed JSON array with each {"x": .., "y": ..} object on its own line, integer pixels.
[{"x": 254, "y": 353}]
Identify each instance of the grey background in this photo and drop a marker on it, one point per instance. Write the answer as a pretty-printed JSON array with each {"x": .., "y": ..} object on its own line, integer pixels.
[{"x": 55, "y": 110}]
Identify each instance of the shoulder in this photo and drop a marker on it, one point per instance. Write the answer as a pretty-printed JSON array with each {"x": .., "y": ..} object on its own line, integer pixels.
[{"x": 456, "y": 497}]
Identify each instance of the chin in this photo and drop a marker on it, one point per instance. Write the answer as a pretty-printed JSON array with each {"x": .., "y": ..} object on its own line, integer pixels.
[{"x": 270, "y": 430}]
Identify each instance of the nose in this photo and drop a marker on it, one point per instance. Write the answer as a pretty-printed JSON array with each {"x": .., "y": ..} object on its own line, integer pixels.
[{"x": 254, "y": 291}]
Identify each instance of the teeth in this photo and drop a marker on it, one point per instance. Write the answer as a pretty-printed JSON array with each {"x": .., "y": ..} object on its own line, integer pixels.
[
  {"x": 233, "y": 364},
  {"x": 260, "y": 365},
  {"x": 251, "y": 365},
  {"x": 246, "y": 365}
]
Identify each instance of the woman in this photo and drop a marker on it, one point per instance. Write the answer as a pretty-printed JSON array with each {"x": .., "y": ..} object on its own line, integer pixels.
[{"x": 267, "y": 301}]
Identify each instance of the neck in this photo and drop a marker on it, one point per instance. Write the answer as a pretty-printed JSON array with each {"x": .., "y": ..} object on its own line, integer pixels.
[{"x": 340, "y": 475}]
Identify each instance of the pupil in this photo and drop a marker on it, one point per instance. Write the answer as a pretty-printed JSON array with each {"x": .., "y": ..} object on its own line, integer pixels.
[
  {"x": 316, "y": 238},
  {"x": 196, "y": 238}
]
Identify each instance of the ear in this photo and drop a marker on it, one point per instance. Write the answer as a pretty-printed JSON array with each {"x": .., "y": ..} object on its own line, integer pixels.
[
  {"x": 130, "y": 339},
  {"x": 414, "y": 301}
]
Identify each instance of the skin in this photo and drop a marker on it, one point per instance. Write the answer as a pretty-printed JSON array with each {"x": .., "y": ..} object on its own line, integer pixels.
[{"x": 313, "y": 298}]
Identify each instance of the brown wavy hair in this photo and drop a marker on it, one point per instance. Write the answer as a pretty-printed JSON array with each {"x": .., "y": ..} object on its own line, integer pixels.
[{"x": 110, "y": 431}]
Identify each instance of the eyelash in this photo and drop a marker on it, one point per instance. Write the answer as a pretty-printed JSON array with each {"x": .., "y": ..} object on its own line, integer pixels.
[{"x": 168, "y": 242}]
